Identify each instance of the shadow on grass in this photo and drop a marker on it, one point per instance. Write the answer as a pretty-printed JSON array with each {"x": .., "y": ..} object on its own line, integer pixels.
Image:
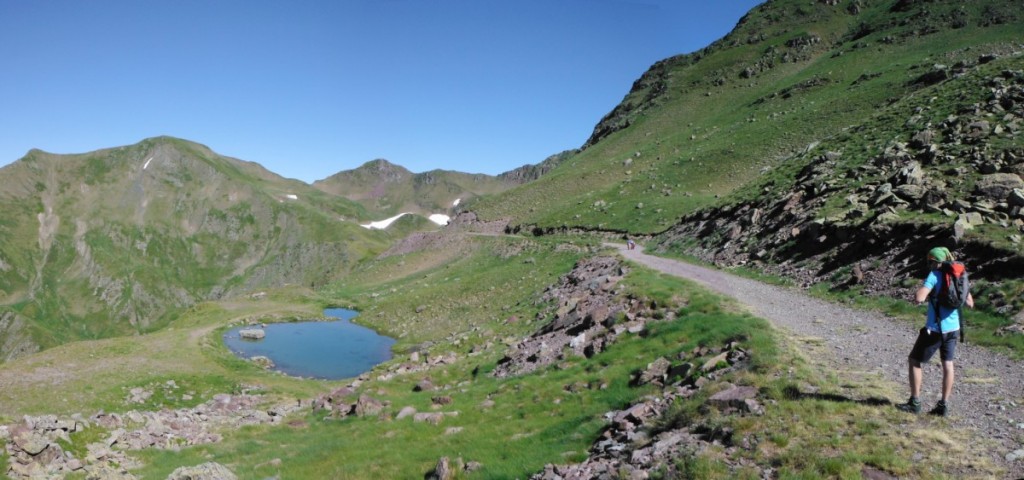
[{"x": 794, "y": 393}]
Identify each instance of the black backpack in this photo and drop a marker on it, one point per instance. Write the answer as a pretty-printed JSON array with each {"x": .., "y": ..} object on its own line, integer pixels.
[{"x": 953, "y": 286}]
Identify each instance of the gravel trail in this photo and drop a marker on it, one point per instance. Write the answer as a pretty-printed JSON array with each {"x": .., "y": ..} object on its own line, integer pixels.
[{"x": 988, "y": 395}]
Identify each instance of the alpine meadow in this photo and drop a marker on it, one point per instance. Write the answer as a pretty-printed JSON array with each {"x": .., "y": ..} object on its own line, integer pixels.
[{"x": 819, "y": 149}]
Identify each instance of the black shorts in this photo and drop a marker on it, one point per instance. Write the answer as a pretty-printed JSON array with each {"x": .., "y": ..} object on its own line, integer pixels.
[{"x": 929, "y": 342}]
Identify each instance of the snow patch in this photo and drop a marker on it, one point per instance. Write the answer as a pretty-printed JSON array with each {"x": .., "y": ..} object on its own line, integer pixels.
[
  {"x": 146, "y": 165},
  {"x": 456, "y": 202},
  {"x": 292, "y": 197},
  {"x": 383, "y": 223}
]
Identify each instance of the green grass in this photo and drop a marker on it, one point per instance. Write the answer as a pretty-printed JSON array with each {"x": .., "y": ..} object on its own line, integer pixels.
[
  {"x": 492, "y": 279},
  {"x": 550, "y": 416}
]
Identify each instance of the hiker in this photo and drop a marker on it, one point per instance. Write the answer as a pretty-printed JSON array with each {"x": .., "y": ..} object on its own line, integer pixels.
[
  {"x": 630, "y": 244},
  {"x": 940, "y": 332}
]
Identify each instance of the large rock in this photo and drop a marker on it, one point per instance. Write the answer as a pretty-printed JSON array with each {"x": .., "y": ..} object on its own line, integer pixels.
[
  {"x": 910, "y": 191},
  {"x": 444, "y": 470},
  {"x": 367, "y": 406},
  {"x": 28, "y": 440},
  {"x": 656, "y": 372},
  {"x": 998, "y": 186},
  {"x": 252, "y": 334},
  {"x": 1016, "y": 198},
  {"x": 738, "y": 398}
]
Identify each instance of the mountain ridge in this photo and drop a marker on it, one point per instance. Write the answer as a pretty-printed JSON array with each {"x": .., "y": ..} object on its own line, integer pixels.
[
  {"x": 388, "y": 189},
  {"x": 119, "y": 239}
]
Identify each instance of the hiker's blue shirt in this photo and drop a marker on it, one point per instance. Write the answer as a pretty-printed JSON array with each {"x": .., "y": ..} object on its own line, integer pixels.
[{"x": 950, "y": 316}]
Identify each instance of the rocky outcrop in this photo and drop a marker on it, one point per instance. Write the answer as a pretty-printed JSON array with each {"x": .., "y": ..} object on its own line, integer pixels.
[
  {"x": 529, "y": 173},
  {"x": 15, "y": 336},
  {"x": 873, "y": 218},
  {"x": 587, "y": 314},
  {"x": 635, "y": 444},
  {"x": 35, "y": 452}
]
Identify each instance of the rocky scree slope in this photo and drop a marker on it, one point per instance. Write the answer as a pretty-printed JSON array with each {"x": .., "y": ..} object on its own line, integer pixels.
[{"x": 943, "y": 167}]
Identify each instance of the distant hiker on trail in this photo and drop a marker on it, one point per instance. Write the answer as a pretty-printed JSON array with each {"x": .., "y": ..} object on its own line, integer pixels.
[
  {"x": 630, "y": 244},
  {"x": 946, "y": 289}
]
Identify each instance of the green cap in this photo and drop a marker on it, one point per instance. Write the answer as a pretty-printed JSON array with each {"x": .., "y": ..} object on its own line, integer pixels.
[{"x": 939, "y": 253}]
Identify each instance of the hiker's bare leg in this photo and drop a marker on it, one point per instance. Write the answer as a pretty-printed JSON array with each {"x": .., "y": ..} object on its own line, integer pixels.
[
  {"x": 914, "y": 372},
  {"x": 947, "y": 380}
]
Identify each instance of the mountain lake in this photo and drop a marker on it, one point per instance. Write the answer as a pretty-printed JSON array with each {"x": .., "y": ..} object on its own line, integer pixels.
[{"x": 330, "y": 350}]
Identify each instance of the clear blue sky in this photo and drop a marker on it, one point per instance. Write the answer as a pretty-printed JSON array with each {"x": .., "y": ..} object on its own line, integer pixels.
[{"x": 311, "y": 88}]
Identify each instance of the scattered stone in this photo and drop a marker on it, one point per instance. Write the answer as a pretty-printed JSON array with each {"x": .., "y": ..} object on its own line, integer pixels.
[
  {"x": 262, "y": 361},
  {"x": 205, "y": 471},
  {"x": 405, "y": 412},
  {"x": 656, "y": 372},
  {"x": 443, "y": 471},
  {"x": 1015, "y": 455},
  {"x": 424, "y": 385},
  {"x": 433, "y": 418}
]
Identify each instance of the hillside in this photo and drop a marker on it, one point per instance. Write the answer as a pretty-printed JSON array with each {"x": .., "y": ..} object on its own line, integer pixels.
[
  {"x": 697, "y": 127},
  {"x": 118, "y": 241},
  {"x": 815, "y": 139}
]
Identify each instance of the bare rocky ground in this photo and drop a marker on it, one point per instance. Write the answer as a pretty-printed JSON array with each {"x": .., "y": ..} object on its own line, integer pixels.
[{"x": 988, "y": 397}]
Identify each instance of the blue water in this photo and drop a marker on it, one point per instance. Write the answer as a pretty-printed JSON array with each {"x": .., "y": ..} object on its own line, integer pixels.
[{"x": 327, "y": 350}]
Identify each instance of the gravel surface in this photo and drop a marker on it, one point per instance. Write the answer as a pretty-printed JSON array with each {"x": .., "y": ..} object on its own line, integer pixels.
[{"x": 988, "y": 395}]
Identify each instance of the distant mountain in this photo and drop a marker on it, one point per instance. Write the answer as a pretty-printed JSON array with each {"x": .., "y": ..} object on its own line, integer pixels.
[
  {"x": 116, "y": 241},
  {"x": 386, "y": 189},
  {"x": 529, "y": 173}
]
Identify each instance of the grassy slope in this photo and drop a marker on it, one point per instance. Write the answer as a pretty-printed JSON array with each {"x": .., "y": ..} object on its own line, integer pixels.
[{"x": 712, "y": 131}]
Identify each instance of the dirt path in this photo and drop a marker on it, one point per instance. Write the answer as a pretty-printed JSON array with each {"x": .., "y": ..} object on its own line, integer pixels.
[{"x": 989, "y": 392}]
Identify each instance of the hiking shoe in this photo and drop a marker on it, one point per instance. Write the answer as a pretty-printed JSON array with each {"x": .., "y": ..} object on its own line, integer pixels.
[
  {"x": 912, "y": 406},
  {"x": 940, "y": 409}
]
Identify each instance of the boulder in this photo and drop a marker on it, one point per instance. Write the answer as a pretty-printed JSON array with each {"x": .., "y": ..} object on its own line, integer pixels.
[
  {"x": 444, "y": 470},
  {"x": 922, "y": 139},
  {"x": 28, "y": 440},
  {"x": 978, "y": 129},
  {"x": 262, "y": 361},
  {"x": 712, "y": 364},
  {"x": 405, "y": 412},
  {"x": 998, "y": 186},
  {"x": 424, "y": 385},
  {"x": 971, "y": 218},
  {"x": 366, "y": 406},
  {"x": 433, "y": 418},
  {"x": 910, "y": 191},
  {"x": 252, "y": 333},
  {"x": 1016, "y": 198},
  {"x": 734, "y": 398},
  {"x": 656, "y": 372}
]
